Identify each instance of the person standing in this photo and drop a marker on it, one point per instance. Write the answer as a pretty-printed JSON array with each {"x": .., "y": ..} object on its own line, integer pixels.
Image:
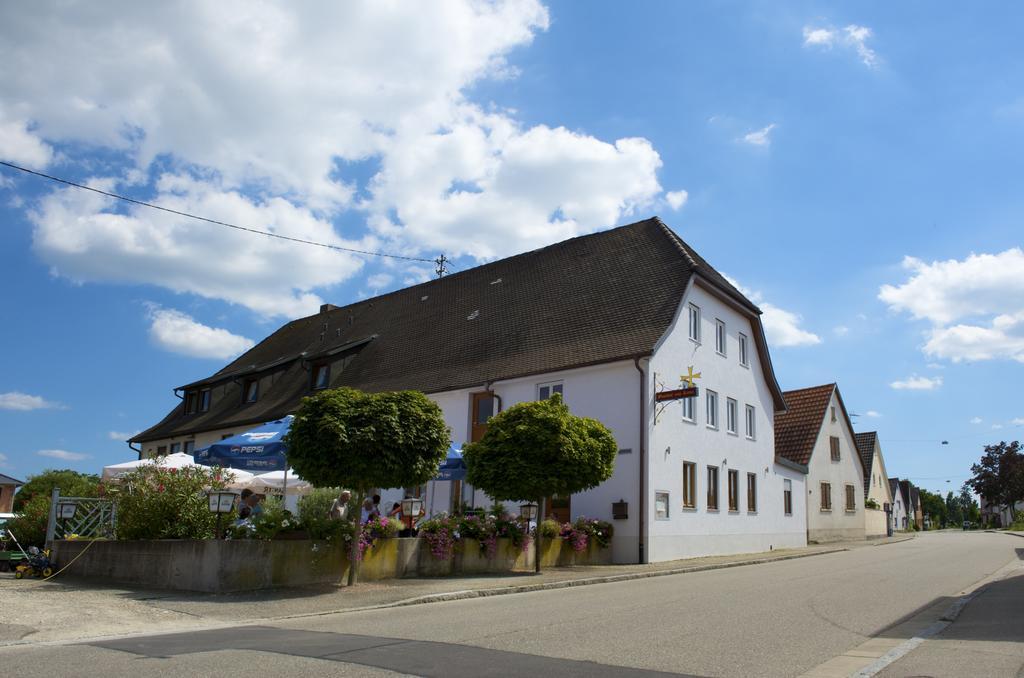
[{"x": 339, "y": 509}]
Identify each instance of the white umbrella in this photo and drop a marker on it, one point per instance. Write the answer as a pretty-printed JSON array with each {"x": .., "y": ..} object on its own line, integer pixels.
[
  {"x": 282, "y": 482},
  {"x": 177, "y": 460}
]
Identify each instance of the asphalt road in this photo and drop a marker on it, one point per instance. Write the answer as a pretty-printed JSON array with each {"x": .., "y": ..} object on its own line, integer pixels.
[{"x": 777, "y": 619}]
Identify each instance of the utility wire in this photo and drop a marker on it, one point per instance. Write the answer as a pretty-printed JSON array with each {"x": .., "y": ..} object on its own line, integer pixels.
[{"x": 214, "y": 221}]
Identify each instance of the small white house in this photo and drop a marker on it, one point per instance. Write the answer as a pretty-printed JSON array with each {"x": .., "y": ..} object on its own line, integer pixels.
[
  {"x": 900, "y": 517},
  {"x": 816, "y": 431},
  {"x": 608, "y": 320},
  {"x": 877, "y": 518}
]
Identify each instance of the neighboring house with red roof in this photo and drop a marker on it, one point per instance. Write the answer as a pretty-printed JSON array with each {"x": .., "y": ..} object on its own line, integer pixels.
[
  {"x": 816, "y": 431},
  {"x": 8, "y": 486},
  {"x": 607, "y": 320},
  {"x": 877, "y": 521}
]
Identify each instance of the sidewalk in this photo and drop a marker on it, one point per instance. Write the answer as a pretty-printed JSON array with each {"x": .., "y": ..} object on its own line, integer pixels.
[{"x": 63, "y": 610}]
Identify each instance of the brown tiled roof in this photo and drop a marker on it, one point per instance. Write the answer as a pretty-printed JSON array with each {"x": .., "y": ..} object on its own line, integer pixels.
[
  {"x": 593, "y": 299},
  {"x": 866, "y": 447},
  {"x": 796, "y": 429}
]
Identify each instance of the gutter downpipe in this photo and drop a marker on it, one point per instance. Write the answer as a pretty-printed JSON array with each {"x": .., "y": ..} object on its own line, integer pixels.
[
  {"x": 138, "y": 450},
  {"x": 643, "y": 459}
]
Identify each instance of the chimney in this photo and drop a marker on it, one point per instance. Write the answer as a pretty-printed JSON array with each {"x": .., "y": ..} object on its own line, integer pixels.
[{"x": 324, "y": 308}]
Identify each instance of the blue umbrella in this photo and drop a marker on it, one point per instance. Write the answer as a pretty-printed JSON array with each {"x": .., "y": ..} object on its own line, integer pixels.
[
  {"x": 259, "y": 450},
  {"x": 453, "y": 467}
]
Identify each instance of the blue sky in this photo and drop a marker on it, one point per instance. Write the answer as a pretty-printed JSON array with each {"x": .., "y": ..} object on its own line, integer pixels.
[{"x": 806, "y": 151}]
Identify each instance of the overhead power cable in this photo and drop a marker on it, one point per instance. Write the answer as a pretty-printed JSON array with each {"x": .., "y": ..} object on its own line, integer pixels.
[{"x": 214, "y": 221}]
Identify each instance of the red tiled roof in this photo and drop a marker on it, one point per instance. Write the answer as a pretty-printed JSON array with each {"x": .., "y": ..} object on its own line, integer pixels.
[{"x": 796, "y": 429}]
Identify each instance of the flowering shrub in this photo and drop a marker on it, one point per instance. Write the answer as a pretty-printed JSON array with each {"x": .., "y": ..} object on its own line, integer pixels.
[
  {"x": 581, "y": 533},
  {"x": 313, "y": 516},
  {"x": 378, "y": 527},
  {"x": 160, "y": 503},
  {"x": 441, "y": 534},
  {"x": 445, "y": 533},
  {"x": 574, "y": 537},
  {"x": 549, "y": 529}
]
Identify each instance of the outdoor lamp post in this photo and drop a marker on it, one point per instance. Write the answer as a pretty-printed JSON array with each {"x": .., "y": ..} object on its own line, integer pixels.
[
  {"x": 528, "y": 513},
  {"x": 412, "y": 507},
  {"x": 221, "y": 502}
]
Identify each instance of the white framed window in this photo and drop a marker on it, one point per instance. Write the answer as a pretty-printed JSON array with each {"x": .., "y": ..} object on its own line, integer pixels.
[
  {"x": 689, "y": 484},
  {"x": 744, "y": 358},
  {"x": 661, "y": 506},
  {"x": 751, "y": 422},
  {"x": 719, "y": 337},
  {"x": 731, "y": 416},
  {"x": 190, "y": 447},
  {"x": 695, "y": 323},
  {"x": 175, "y": 448},
  {"x": 751, "y": 493},
  {"x": 545, "y": 391},
  {"x": 787, "y": 497},
  {"x": 687, "y": 404},
  {"x": 712, "y": 409},
  {"x": 712, "y": 488}
]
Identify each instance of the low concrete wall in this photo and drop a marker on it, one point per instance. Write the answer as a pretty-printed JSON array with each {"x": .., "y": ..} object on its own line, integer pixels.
[
  {"x": 875, "y": 523},
  {"x": 212, "y": 566},
  {"x": 249, "y": 564}
]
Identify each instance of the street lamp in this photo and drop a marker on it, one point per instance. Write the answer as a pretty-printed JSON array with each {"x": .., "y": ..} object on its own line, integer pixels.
[
  {"x": 529, "y": 513},
  {"x": 221, "y": 502},
  {"x": 412, "y": 508}
]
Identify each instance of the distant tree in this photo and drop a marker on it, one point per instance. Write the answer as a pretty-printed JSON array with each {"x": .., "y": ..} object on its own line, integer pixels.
[
  {"x": 32, "y": 502},
  {"x": 999, "y": 475},
  {"x": 954, "y": 509},
  {"x": 932, "y": 505},
  {"x": 539, "y": 449},
  {"x": 970, "y": 508},
  {"x": 348, "y": 438},
  {"x": 71, "y": 484}
]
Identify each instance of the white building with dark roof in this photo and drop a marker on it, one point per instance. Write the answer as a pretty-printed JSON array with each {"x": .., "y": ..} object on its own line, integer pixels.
[{"x": 609, "y": 320}]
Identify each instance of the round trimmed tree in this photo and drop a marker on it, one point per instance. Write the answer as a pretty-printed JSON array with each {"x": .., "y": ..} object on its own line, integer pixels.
[
  {"x": 540, "y": 449},
  {"x": 347, "y": 438}
]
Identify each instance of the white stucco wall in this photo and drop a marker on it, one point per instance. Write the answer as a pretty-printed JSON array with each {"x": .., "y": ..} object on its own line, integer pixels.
[
  {"x": 200, "y": 440},
  {"x": 875, "y": 521},
  {"x": 699, "y": 531},
  {"x": 838, "y": 523},
  {"x": 609, "y": 393}
]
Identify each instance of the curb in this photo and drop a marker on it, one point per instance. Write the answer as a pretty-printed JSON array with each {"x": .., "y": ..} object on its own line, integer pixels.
[
  {"x": 548, "y": 586},
  {"x": 896, "y": 541}
]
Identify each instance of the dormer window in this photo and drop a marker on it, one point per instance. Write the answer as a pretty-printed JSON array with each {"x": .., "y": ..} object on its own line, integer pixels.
[
  {"x": 204, "y": 400},
  {"x": 252, "y": 390},
  {"x": 191, "y": 402},
  {"x": 321, "y": 376}
]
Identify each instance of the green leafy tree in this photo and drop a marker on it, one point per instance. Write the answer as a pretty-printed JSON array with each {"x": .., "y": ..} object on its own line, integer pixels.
[
  {"x": 161, "y": 503},
  {"x": 932, "y": 505},
  {"x": 970, "y": 508},
  {"x": 71, "y": 484},
  {"x": 954, "y": 509},
  {"x": 32, "y": 503},
  {"x": 346, "y": 438},
  {"x": 539, "y": 449},
  {"x": 999, "y": 475}
]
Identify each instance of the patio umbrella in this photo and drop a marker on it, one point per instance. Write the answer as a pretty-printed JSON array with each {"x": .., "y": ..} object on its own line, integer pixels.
[
  {"x": 177, "y": 460},
  {"x": 275, "y": 480},
  {"x": 259, "y": 450}
]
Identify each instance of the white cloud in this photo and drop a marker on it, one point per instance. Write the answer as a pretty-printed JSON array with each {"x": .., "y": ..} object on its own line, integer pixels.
[
  {"x": 120, "y": 435},
  {"x": 975, "y": 305},
  {"x": 916, "y": 383},
  {"x": 873, "y": 414},
  {"x": 935, "y": 366},
  {"x": 781, "y": 327},
  {"x": 63, "y": 455},
  {"x": 840, "y": 330},
  {"x": 1017, "y": 421},
  {"x": 996, "y": 427},
  {"x": 759, "y": 137},
  {"x": 21, "y": 146},
  {"x": 976, "y": 420},
  {"x": 676, "y": 199},
  {"x": 379, "y": 281},
  {"x": 23, "y": 402},
  {"x": 271, "y": 105},
  {"x": 179, "y": 333},
  {"x": 4, "y": 460},
  {"x": 850, "y": 37}
]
